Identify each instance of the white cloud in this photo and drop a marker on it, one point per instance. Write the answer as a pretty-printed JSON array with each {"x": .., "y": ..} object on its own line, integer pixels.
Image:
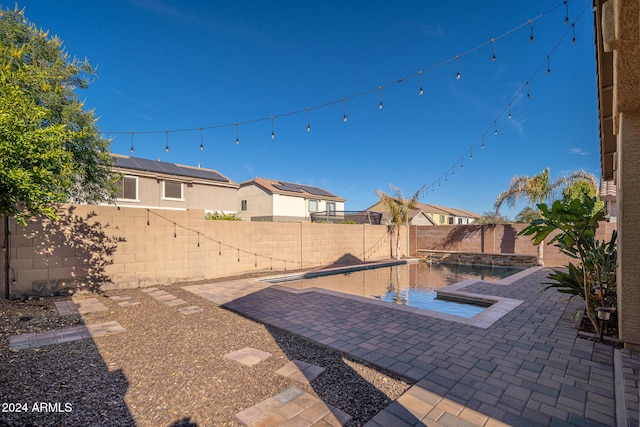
[{"x": 578, "y": 151}]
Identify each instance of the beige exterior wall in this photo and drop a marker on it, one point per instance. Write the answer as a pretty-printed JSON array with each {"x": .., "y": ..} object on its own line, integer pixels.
[
  {"x": 629, "y": 239},
  {"x": 103, "y": 246},
  {"x": 259, "y": 202},
  {"x": 276, "y": 207},
  {"x": 195, "y": 195}
]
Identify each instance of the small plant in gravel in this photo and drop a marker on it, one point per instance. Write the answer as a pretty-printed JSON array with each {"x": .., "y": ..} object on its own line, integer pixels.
[{"x": 593, "y": 277}]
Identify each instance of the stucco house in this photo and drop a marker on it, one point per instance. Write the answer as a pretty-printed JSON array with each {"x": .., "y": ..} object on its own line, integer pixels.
[
  {"x": 155, "y": 184},
  {"x": 617, "y": 43},
  {"x": 262, "y": 199},
  {"x": 428, "y": 214}
]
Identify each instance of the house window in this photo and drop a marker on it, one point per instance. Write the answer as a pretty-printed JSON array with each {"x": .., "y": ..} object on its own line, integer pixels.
[
  {"x": 243, "y": 205},
  {"x": 313, "y": 206},
  {"x": 172, "y": 190},
  {"x": 441, "y": 219},
  {"x": 450, "y": 220},
  {"x": 127, "y": 188},
  {"x": 459, "y": 220},
  {"x": 331, "y": 208}
]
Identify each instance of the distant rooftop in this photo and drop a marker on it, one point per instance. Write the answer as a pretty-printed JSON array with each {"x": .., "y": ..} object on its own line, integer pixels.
[
  {"x": 292, "y": 189},
  {"x": 156, "y": 166}
]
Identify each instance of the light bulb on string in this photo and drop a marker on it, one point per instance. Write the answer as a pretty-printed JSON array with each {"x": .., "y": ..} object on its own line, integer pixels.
[
  {"x": 344, "y": 117},
  {"x": 566, "y": 18},
  {"x": 531, "y": 37},
  {"x": 446, "y": 179},
  {"x": 308, "y": 119},
  {"x": 461, "y": 163},
  {"x": 573, "y": 28},
  {"x": 458, "y": 73},
  {"x": 453, "y": 171},
  {"x": 201, "y": 145},
  {"x": 548, "y": 64},
  {"x": 131, "y": 149},
  {"x": 528, "y": 91},
  {"x": 493, "y": 58},
  {"x": 166, "y": 142},
  {"x": 471, "y": 157},
  {"x": 495, "y": 123},
  {"x": 482, "y": 146},
  {"x": 509, "y": 115},
  {"x": 273, "y": 135},
  {"x": 420, "y": 91},
  {"x": 380, "y": 105},
  {"x": 237, "y": 139}
]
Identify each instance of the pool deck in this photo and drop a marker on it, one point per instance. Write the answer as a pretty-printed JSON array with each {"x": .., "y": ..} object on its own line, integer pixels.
[{"x": 528, "y": 367}]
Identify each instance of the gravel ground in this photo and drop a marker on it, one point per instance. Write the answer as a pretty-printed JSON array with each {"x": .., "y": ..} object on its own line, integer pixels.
[{"x": 167, "y": 369}]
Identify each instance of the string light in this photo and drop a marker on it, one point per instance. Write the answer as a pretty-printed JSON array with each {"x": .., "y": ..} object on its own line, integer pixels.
[
  {"x": 527, "y": 83},
  {"x": 566, "y": 18},
  {"x": 273, "y": 135},
  {"x": 131, "y": 149},
  {"x": 166, "y": 142},
  {"x": 380, "y": 105},
  {"x": 471, "y": 157},
  {"x": 573, "y": 29},
  {"x": 201, "y": 137},
  {"x": 458, "y": 57},
  {"x": 344, "y": 102},
  {"x": 493, "y": 58}
]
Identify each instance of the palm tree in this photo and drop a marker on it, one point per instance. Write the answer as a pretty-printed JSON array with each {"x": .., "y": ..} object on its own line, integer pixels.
[
  {"x": 399, "y": 208},
  {"x": 540, "y": 189}
]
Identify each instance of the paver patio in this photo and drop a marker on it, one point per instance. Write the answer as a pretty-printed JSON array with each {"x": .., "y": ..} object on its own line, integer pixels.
[
  {"x": 79, "y": 306},
  {"x": 527, "y": 368}
]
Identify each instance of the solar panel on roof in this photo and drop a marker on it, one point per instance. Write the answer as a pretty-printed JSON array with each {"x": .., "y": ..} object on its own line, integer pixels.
[
  {"x": 282, "y": 186},
  {"x": 147, "y": 165},
  {"x": 316, "y": 191}
]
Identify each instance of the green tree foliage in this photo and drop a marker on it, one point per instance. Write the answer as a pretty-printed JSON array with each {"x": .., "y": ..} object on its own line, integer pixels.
[
  {"x": 491, "y": 218},
  {"x": 221, "y": 216},
  {"x": 50, "y": 148},
  {"x": 572, "y": 225},
  {"x": 399, "y": 208},
  {"x": 527, "y": 215},
  {"x": 538, "y": 189}
]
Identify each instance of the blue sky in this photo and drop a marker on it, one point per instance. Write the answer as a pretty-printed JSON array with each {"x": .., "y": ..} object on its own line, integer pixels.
[{"x": 173, "y": 65}]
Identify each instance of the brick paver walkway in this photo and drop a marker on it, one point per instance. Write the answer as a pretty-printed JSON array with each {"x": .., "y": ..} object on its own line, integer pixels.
[
  {"x": 79, "y": 306},
  {"x": 527, "y": 368},
  {"x": 293, "y": 407},
  {"x": 59, "y": 336}
]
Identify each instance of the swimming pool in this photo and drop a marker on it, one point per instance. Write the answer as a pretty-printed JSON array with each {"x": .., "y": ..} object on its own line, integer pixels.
[{"x": 413, "y": 284}]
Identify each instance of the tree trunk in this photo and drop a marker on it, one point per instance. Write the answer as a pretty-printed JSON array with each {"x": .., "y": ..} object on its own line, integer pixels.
[
  {"x": 541, "y": 254},
  {"x": 398, "y": 243}
]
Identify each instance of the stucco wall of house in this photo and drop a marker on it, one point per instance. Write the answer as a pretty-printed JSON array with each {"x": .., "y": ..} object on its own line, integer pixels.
[
  {"x": 259, "y": 202},
  {"x": 101, "y": 247},
  {"x": 629, "y": 228},
  {"x": 196, "y": 195}
]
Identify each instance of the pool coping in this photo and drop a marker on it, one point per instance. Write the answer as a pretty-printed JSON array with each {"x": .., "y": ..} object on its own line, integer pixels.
[{"x": 499, "y": 307}]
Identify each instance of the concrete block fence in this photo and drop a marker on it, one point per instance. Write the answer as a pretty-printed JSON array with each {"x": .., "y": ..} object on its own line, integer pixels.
[{"x": 102, "y": 247}]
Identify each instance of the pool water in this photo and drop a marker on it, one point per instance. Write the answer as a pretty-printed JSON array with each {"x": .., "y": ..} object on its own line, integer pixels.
[{"x": 413, "y": 285}]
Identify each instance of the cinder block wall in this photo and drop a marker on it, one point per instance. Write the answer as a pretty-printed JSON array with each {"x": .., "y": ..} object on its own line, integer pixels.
[
  {"x": 98, "y": 247},
  {"x": 498, "y": 239}
]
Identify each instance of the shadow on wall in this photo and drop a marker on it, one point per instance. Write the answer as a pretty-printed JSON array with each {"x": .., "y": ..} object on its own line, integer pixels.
[
  {"x": 344, "y": 260},
  {"x": 460, "y": 234},
  {"x": 480, "y": 238},
  {"x": 76, "y": 250}
]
